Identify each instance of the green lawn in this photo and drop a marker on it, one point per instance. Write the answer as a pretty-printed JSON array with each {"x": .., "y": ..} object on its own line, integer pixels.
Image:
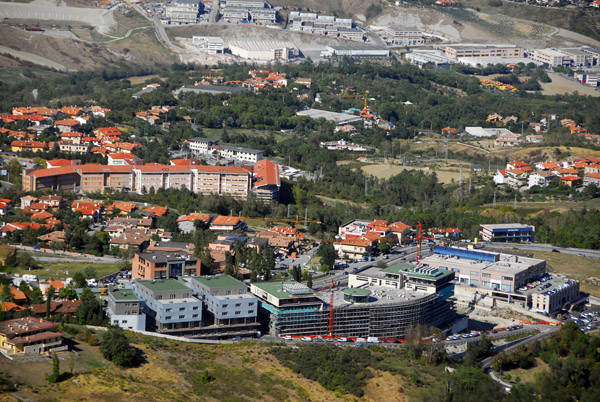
[{"x": 64, "y": 270}]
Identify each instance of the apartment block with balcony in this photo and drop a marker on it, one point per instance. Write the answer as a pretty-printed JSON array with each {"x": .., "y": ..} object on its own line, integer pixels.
[
  {"x": 158, "y": 264},
  {"x": 169, "y": 306},
  {"x": 226, "y": 300}
]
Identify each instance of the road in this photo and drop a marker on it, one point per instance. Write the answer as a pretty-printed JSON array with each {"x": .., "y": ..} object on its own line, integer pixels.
[
  {"x": 214, "y": 9},
  {"x": 486, "y": 364},
  {"x": 549, "y": 248},
  {"x": 61, "y": 256}
]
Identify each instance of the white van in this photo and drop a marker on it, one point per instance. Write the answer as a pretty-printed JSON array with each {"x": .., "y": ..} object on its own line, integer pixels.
[{"x": 92, "y": 283}]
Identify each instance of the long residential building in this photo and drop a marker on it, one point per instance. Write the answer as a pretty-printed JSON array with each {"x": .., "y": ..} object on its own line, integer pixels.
[{"x": 202, "y": 179}]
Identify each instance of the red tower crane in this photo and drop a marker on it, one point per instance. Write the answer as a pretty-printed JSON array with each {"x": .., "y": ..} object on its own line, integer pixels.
[
  {"x": 420, "y": 239},
  {"x": 330, "y": 287}
]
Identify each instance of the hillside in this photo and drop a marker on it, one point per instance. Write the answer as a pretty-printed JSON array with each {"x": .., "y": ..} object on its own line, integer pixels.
[{"x": 192, "y": 372}]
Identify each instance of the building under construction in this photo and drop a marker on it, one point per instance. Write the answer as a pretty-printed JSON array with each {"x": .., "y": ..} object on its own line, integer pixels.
[{"x": 383, "y": 303}]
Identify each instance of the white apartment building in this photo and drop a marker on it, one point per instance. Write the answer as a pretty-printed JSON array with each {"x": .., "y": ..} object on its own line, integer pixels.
[
  {"x": 169, "y": 305},
  {"x": 124, "y": 310},
  {"x": 226, "y": 298},
  {"x": 201, "y": 146}
]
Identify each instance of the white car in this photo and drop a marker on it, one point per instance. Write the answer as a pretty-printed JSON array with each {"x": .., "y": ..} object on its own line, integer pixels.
[
  {"x": 342, "y": 340},
  {"x": 287, "y": 338},
  {"x": 306, "y": 339}
]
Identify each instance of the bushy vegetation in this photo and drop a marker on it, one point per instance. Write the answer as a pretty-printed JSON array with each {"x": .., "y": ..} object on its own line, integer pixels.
[
  {"x": 115, "y": 347},
  {"x": 574, "y": 366}
]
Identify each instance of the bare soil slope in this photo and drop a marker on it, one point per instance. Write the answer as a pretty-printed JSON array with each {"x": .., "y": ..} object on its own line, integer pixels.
[{"x": 77, "y": 55}]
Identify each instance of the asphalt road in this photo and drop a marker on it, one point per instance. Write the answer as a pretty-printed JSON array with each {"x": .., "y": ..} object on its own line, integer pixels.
[{"x": 548, "y": 248}]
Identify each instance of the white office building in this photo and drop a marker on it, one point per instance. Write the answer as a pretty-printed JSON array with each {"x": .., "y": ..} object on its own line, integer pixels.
[{"x": 209, "y": 44}]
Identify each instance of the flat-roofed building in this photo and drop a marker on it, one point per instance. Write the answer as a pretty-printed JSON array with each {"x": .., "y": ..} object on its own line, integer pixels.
[
  {"x": 356, "y": 51},
  {"x": 245, "y": 3},
  {"x": 383, "y": 311},
  {"x": 241, "y": 154},
  {"x": 507, "y": 232},
  {"x": 169, "y": 306},
  {"x": 183, "y": 11},
  {"x": 124, "y": 310},
  {"x": 263, "y": 50},
  {"x": 475, "y": 50},
  {"x": 555, "y": 295},
  {"x": 226, "y": 299},
  {"x": 501, "y": 273},
  {"x": 551, "y": 57},
  {"x": 405, "y": 36},
  {"x": 98, "y": 178},
  {"x": 210, "y": 44},
  {"x": 201, "y": 146},
  {"x": 158, "y": 264}
]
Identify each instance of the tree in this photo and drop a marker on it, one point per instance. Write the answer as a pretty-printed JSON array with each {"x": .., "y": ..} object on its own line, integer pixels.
[
  {"x": 79, "y": 280},
  {"x": 89, "y": 272},
  {"x": 115, "y": 347},
  {"x": 67, "y": 293},
  {"x": 327, "y": 254},
  {"x": 36, "y": 296},
  {"x": 206, "y": 262},
  {"x": 6, "y": 294},
  {"x": 309, "y": 281},
  {"x": 54, "y": 376},
  {"x": 89, "y": 311}
]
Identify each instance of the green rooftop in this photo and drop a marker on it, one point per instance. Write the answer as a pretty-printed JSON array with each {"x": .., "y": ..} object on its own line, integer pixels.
[
  {"x": 399, "y": 267},
  {"x": 220, "y": 281},
  {"x": 124, "y": 294},
  {"x": 357, "y": 292},
  {"x": 163, "y": 285}
]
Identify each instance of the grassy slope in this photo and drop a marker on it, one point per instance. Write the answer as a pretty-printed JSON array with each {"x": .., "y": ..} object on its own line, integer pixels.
[
  {"x": 175, "y": 372},
  {"x": 63, "y": 270}
]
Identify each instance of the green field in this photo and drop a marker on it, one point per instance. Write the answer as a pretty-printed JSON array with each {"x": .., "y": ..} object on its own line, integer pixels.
[{"x": 63, "y": 270}]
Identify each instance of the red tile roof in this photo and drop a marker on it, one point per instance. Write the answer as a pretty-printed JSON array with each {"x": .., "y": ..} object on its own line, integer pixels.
[
  {"x": 66, "y": 122},
  {"x": 266, "y": 173},
  {"x": 195, "y": 216},
  {"x": 157, "y": 211},
  {"x": 226, "y": 220}
]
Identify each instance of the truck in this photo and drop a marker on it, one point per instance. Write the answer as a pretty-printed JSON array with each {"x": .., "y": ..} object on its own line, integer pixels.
[{"x": 373, "y": 339}]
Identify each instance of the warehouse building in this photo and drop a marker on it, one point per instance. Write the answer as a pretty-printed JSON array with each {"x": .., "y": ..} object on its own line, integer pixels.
[
  {"x": 404, "y": 36},
  {"x": 507, "y": 232},
  {"x": 263, "y": 50},
  {"x": 338, "y": 118},
  {"x": 180, "y": 12},
  {"x": 356, "y": 51},
  {"x": 379, "y": 303}
]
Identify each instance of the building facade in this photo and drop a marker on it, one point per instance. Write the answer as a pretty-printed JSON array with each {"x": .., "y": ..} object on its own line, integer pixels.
[
  {"x": 157, "y": 264},
  {"x": 123, "y": 309},
  {"x": 505, "y": 51},
  {"x": 507, "y": 232},
  {"x": 169, "y": 306},
  {"x": 183, "y": 11}
]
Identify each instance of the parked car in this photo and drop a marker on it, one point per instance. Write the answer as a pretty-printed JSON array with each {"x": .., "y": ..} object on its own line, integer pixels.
[
  {"x": 306, "y": 339},
  {"x": 287, "y": 338},
  {"x": 342, "y": 340}
]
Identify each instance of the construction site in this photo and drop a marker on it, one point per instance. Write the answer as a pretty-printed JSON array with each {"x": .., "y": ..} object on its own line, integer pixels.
[{"x": 384, "y": 303}]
